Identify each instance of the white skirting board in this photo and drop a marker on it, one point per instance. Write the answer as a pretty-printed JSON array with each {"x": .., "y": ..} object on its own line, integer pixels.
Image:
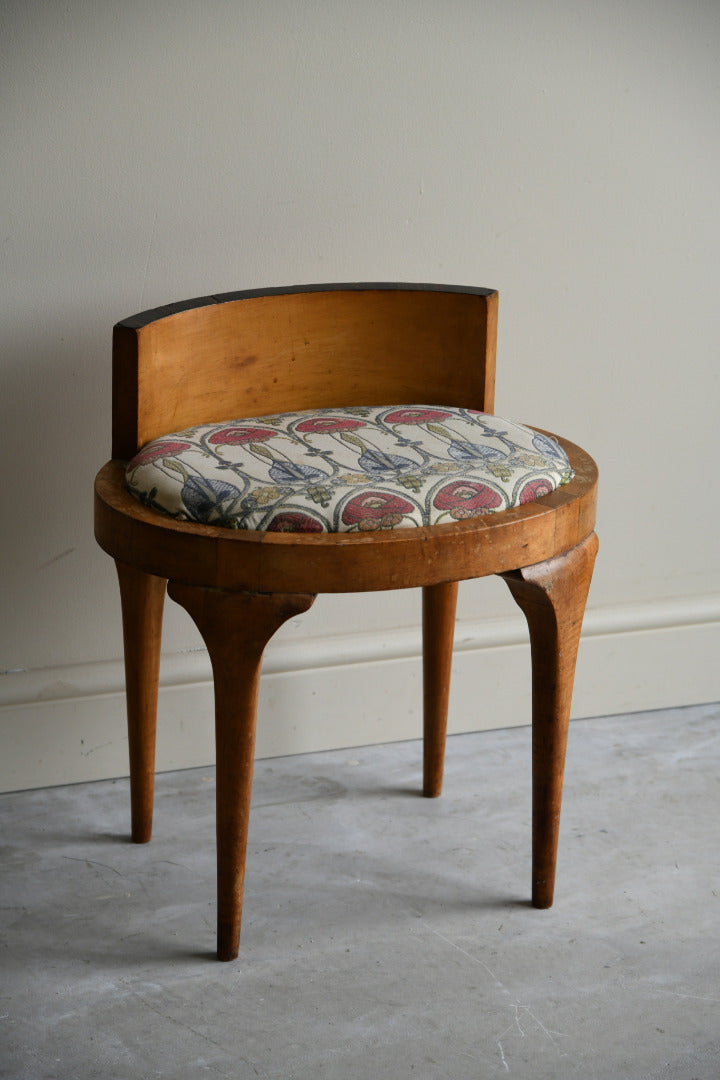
[{"x": 61, "y": 726}]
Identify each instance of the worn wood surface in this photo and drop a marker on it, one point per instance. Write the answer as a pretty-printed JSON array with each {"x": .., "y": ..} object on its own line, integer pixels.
[{"x": 345, "y": 562}]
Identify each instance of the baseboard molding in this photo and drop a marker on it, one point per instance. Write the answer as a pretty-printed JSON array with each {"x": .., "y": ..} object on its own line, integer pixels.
[{"x": 67, "y": 725}]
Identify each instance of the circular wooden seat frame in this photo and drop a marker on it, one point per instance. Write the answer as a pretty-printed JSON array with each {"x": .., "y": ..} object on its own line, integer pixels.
[{"x": 269, "y": 351}]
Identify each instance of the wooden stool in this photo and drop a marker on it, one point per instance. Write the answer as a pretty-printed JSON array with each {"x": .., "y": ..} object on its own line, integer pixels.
[{"x": 240, "y": 363}]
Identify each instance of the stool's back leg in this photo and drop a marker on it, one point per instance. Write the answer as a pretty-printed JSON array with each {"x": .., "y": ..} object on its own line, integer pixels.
[
  {"x": 142, "y": 597},
  {"x": 438, "y": 622},
  {"x": 552, "y": 596}
]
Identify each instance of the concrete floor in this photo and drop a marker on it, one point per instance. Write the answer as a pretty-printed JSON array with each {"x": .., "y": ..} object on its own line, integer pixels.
[{"x": 385, "y": 935}]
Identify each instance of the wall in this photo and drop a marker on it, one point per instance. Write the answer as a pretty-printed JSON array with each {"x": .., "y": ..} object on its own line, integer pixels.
[{"x": 566, "y": 153}]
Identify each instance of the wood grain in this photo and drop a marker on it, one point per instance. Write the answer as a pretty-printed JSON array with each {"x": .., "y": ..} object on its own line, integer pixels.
[
  {"x": 344, "y": 562},
  {"x": 438, "y": 622},
  {"x": 142, "y": 598},
  {"x": 282, "y": 351},
  {"x": 552, "y": 595},
  {"x": 236, "y": 628}
]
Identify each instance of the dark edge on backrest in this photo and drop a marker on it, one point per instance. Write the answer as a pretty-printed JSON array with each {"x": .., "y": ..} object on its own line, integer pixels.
[
  {"x": 491, "y": 328},
  {"x": 136, "y": 322},
  {"x": 125, "y": 391}
]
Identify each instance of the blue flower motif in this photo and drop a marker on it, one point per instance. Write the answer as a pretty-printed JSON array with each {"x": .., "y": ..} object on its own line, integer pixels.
[
  {"x": 204, "y": 499},
  {"x": 375, "y": 462},
  {"x": 546, "y": 446},
  {"x": 285, "y": 472},
  {"x": 494, "y": 432},
  {"x": 468, "y": 451}
]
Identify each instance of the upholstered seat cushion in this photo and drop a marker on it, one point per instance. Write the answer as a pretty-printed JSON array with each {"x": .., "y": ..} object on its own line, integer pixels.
[{"x": 339, "y": 470}]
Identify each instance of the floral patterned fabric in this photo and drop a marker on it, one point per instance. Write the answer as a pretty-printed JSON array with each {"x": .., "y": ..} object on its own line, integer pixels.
[{"x": 341, "y": 470}]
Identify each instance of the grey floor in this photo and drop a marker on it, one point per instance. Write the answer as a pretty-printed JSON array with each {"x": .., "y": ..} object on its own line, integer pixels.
[{"x": 384, "y": 935}]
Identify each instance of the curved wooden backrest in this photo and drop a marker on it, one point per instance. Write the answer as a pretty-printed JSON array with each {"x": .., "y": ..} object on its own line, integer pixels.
[{"x": 277, "y": 350}]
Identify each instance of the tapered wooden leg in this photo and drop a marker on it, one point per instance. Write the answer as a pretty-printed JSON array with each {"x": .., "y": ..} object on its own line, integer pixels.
[
  {"x": 438, "y": 621},
  {"x": 236, "y": 628},
  {"x": 142, "y": 597},
  {"x": 552, "y": 596}
]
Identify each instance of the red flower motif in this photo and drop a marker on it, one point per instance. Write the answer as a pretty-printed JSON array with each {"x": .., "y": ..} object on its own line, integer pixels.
[
  {"x": 321, "y": 425},
  {"x": 416, "y": 416},
  {"x": 375, "y": 510},
  {"x": 467, "y": 498},
  {"x": 535, "y": 489},
  {"x": 292, "y": 521},
  {"x": 158, "y": 450},
  {"x": 232, "y": 436}
]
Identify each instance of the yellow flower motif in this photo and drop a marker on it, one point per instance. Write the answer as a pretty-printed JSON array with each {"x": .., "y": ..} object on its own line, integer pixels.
[
  {"x": 501, "y": 471},
  {"x": 412, "y": 482},
  {"x": 265, "y": 495},
  {"x": 444, "y": 466},
  {"x": 320, "y": 493},
  {"x": 354, "y": 478}
]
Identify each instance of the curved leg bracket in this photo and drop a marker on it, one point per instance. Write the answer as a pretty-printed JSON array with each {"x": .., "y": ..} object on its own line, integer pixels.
[
  {"x": 236, "y": 628},
  {"x": 552, "y": 596}
]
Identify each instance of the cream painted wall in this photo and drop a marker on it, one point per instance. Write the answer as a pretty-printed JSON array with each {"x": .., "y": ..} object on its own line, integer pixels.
[{"x": 566, "y": 153}]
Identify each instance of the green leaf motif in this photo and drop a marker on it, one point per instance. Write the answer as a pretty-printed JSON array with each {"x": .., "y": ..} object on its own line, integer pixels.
[
  {"x": 258, "y": 448},
  {"x": 352, "y": 439},
  {"x": 438, "y": 429},
  {"x": 175, "y": 466}
]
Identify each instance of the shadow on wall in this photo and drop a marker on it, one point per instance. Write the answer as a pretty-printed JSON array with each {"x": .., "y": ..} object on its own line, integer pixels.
[{"x": 55, "y": 415}]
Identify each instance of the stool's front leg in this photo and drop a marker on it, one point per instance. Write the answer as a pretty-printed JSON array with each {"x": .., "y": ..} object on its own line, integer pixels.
[
  {"x": 552, "y": 596},
  {"x": 236, "y": 628}
]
